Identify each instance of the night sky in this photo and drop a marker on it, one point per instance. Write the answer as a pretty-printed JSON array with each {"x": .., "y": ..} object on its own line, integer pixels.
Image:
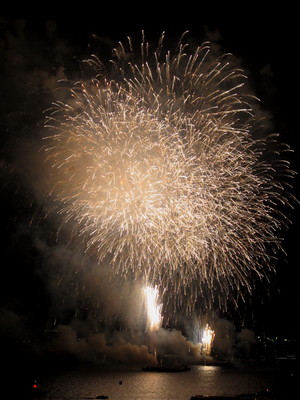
[{"x": 37, "y": 51}]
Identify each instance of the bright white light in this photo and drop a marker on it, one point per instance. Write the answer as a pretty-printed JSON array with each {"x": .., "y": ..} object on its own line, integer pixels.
[
  {"x": 153, "y": 309},
  {"x": 207, "y": 339}
]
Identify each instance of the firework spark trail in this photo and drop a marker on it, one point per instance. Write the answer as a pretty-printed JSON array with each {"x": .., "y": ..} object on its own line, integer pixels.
[{"x": 156, "y": 164}]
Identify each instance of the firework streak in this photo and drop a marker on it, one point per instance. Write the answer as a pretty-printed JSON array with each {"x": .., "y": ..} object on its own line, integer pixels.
[{"x": 156, "y": 164}]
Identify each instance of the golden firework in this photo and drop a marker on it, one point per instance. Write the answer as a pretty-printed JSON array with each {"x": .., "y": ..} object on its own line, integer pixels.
[{"x": 156, "y": 163}]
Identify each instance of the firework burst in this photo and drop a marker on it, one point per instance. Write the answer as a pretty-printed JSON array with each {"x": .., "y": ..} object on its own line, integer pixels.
[{"x": 156, "y": 164}]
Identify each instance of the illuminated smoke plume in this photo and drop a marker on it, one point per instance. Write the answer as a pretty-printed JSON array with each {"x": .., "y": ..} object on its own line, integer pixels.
[{"x": 157, "y": 165}]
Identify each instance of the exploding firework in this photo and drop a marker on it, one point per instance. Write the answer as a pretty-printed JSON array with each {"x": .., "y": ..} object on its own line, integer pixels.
[
  {"x": 207, "y": 339},
  {"x": 153, "y": 309},
  {"x": 156, "y": 164}
]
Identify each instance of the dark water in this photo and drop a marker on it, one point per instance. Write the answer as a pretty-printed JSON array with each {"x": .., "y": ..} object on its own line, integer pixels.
[{"x": 132, "y": 383}]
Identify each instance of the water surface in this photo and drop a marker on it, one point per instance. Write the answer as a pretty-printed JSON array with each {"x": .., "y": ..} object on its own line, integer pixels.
[{"x": 132, "y": 383}]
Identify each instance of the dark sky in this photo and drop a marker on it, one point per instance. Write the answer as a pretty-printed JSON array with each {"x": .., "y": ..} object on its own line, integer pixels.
[{"x": 36, "y": 51}]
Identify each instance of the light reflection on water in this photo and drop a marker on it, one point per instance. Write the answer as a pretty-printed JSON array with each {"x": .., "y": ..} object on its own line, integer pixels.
[{"x": 139, "y": 385}]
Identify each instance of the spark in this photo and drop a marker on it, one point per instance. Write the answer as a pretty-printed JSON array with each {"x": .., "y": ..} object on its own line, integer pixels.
[{"x": 157, "y": 166}]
